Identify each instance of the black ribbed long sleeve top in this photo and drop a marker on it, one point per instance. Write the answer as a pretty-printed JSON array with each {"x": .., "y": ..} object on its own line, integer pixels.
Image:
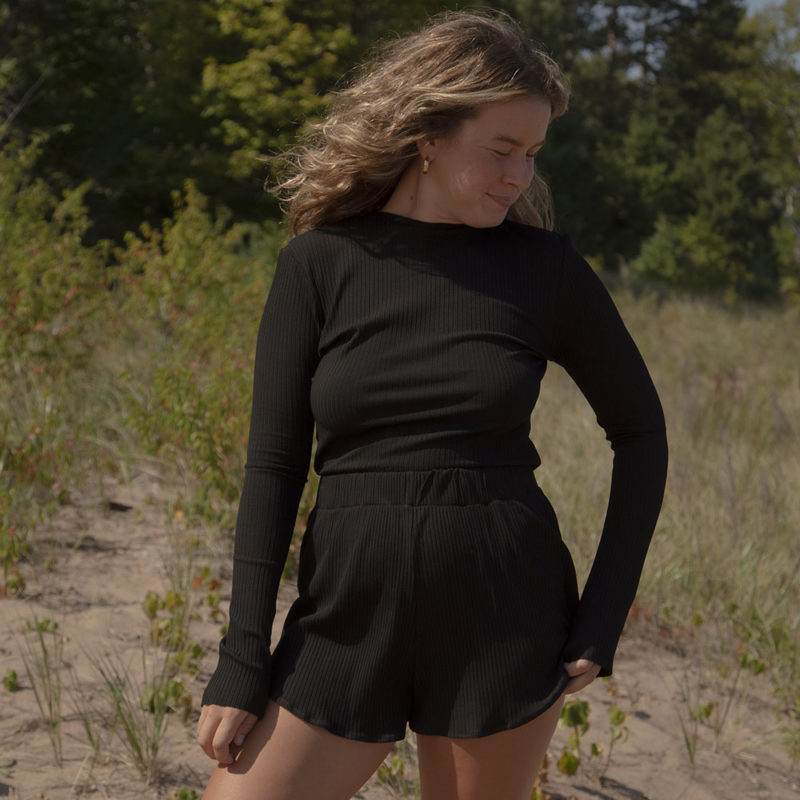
[{"x": 421, "y": 345}]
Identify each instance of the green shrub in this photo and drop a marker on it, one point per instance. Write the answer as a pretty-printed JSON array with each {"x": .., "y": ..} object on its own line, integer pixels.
[
  {"x": 194, "y": 293},
  {"x": 53, "y": 297},
  {"x": 53, "y": 303}
]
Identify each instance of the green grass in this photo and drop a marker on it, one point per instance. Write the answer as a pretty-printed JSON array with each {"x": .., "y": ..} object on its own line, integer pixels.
[
  {"x": 44, "y": 663},
  {"x": 140, "y": 706}
]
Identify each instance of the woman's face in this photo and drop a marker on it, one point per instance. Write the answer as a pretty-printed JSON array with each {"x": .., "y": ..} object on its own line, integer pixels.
[{"x": 477, "y": 173}]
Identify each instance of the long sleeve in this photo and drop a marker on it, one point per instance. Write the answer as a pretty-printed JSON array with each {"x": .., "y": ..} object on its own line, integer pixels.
[
  {"x": 593, "y": 345},
  {"x": 278, "y": 453}
]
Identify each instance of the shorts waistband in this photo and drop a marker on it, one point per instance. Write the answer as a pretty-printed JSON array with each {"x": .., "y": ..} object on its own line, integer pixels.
[{"x": 450, "y": 486}]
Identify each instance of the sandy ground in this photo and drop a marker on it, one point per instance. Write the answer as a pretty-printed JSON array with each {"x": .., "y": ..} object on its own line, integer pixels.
[{"x": 92, "y": 566}]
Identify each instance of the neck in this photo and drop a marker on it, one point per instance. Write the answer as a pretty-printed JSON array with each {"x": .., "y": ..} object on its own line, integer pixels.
[{"x": 405, "y": 199}]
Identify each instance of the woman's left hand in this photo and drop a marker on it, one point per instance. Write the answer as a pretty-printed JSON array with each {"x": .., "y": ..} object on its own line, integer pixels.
[{"x": 582, "y": 672}]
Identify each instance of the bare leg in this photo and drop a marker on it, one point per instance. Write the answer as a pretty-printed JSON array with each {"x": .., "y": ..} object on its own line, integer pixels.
[
  {"x": 502, "y": 765},
  {"x": 286, "y": 758}
]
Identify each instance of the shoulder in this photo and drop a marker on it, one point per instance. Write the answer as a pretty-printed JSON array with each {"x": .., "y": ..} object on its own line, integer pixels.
[
  {"x": 322, "y": 254},
  {"x": 338, "y": 234},
  {"x": 545, "y": 244},
  {"x": 557, "y": 249},
  {"x": 572, "y": 280}
]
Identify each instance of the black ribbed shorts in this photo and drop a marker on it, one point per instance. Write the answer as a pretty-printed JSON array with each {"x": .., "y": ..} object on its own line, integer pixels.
[{"x": 439, "y": 598}]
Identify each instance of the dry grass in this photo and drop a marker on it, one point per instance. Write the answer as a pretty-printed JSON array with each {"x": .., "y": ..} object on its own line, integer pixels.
[
  {"x": 721, "y": 577},
  {"x": 722, "y": 572}
]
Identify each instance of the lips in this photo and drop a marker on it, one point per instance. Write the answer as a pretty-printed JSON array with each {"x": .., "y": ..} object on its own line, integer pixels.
[{"x": 504, "y": 202}]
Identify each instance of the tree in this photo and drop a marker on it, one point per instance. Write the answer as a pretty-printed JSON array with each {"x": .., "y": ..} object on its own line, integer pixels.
[
  {"x": 283, "y": 77},
  {"x": 771, "y": 93},
  {"x": 292, "y": 55},
  {"x": 612, "y": 51},
  {"x": 723, "y": 245},
  {"x": 113, "y": 84}
]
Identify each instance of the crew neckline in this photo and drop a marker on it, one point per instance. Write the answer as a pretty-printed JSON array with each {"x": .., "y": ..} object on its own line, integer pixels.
[{"x": 420, "y": 224}]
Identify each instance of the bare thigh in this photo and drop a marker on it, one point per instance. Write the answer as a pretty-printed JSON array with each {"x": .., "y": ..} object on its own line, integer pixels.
[
  {"x": 502, "y": 765},
  {"x": 286, "y": 758}
]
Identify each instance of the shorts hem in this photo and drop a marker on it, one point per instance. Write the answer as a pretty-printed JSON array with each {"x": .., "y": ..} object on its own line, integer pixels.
[
  {"x": 336, "y": 730},
  {"x": 551, "y": 701}
]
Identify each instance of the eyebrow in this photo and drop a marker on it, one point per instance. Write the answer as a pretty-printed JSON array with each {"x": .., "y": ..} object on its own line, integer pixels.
[{"x": 515, "y": 142}]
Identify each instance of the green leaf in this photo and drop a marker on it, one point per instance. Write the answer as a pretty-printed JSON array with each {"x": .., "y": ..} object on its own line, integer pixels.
[{"x": 568, "y": 763}]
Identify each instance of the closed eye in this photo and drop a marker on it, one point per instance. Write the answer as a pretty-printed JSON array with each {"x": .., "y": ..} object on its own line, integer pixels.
[{"x": 501, "y": 154}]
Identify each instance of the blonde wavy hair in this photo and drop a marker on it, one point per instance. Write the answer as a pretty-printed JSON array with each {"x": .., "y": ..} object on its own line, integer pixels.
[{"x": 420, "y": 85}]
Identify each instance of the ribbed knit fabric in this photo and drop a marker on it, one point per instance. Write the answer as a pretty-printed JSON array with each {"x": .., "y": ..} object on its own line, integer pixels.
[
  {"x": 420, "y": 346},
  {"x": 439, "y": 598}
]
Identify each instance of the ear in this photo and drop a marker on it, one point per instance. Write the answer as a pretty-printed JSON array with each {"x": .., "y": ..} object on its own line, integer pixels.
[{"x": 426, "y": 146}]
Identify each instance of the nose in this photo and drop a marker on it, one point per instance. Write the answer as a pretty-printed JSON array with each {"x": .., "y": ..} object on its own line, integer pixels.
[{"x": 520, "y": 173}]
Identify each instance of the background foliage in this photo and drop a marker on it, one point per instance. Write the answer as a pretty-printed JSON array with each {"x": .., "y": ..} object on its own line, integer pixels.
[{"x": 679, "y": 159}]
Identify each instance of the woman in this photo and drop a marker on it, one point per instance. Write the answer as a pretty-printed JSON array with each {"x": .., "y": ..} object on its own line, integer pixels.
[{"x": 411, "y": 318}]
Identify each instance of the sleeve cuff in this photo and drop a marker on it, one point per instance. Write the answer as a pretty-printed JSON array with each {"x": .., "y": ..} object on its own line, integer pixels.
[{"x": 238, "y": 685}]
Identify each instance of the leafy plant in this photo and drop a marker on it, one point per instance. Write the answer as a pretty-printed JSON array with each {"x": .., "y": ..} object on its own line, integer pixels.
[
  {"x": 574, "y": 715},
  {"x": 42, "y": 624},
  {"x": 170, "y": 693},
  {"x": 11, "y": 680},
  {"x": 694, "y": 714},
  {"x": 618, "y": 731},
  {"x": 204, "y": 580},
  {"x": 54, "y": 302},
  {"x": 5, "y": 766},
  {"x": 398, "y": 771},
  {"x": 184, "y": 794},
  {"x": 194, "y": 291},
  {"x": 539, "y": 792},
  {"x": 789, "y": 720}
]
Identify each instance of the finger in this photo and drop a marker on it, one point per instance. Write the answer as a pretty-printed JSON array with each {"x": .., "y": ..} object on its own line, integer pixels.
[
  {"x": 221, "y": 743},
  {"x": 207, "y": 745},
  {"x": 581, "y": 680},
  {"x": 576, "y": 684},
  {"x": 215, "y": 734},
  {"x": 244, "y": 729},
  {"x": 578, "y": 667},
  {"x": 207, "y": 730},
  {"x": 202, "y": 727}
]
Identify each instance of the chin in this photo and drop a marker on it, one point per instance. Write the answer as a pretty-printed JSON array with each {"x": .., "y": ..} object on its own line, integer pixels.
[
  {"x": 490, "y": 220},
  {"x": 494, "y": 224},
  {"x": 491, "y": 214}
]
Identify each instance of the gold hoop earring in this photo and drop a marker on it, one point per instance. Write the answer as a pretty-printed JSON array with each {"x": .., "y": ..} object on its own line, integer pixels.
[{"x": 425, "y": 166}]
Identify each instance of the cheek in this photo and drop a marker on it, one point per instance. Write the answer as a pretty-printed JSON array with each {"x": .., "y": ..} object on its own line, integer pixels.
[
  {"x": 460, "y": 182},
  {"x": 478, "y": 175},
  {"x": 493, "y": 170}
]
